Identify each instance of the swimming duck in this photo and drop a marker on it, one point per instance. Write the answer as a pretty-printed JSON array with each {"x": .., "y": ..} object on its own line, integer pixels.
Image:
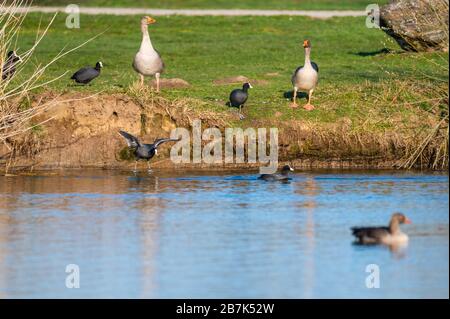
[
  {"x": 87, "y": 74},
  {"x": 9, "y": 68},
  {"x": 305, "y": 77},
  {"x": 144, "y": 151},
  {"x": 284, "y": 176},
  {"x": 147, "y": 61},
  {"x": 390, "y": 235},
  {"x": 238, "y": 97}
]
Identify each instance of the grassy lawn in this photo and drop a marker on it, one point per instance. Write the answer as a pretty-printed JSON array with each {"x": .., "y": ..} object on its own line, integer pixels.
[
  {"x": 222, "y": 4},
  {"x": 356, "y": 80}
]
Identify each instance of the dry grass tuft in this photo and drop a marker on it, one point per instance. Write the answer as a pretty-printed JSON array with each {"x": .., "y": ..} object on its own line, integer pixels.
[
  {"x": 429, "y": 146},
  {"x": 183, "y": 111}
]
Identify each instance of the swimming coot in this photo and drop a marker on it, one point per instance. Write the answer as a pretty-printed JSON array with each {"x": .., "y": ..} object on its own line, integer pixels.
[{"x": 284, "y": 176}]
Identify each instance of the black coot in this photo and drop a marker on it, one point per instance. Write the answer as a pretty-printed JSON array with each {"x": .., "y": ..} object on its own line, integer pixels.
[
  {"x": 144, "y": 151},
  {"x": 87, "y": 74},
  {"x": 238, "y": 97},
  {"x": 284, "y": 176},
  {"x": 9, "y": 68}
]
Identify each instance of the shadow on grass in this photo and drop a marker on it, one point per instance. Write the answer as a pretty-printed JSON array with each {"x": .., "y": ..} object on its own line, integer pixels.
[
  {"x": 290, "y": 95},
  {"x": 228, "y": 104},
  {"x": 373, "y": 53},
  {"x": 73, "y": 85}
]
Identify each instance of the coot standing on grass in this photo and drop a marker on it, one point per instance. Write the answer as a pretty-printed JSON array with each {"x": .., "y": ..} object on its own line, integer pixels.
[
  {"x": 284, "y": 176},
  {"x": 144, "y": 151},
  {"x": 87, "y": 74},
  {"x": 9, "y": 68},
  {"x": 238, "y": 97},
  {"x": 390, "y": 235}
]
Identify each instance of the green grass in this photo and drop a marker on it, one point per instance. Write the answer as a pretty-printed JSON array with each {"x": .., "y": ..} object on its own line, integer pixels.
[
  {"x": 356, "y": 81},
  {"x": 222, "y": 4}
]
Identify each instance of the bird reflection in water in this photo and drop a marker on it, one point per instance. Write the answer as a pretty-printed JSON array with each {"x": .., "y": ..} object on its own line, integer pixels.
[
  {"x": 144, "y": 183},
  {"x": 308, "y": 190}
]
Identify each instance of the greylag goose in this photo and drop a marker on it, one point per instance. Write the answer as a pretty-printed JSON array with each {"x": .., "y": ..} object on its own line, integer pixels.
[
  {"x": 238, "y": 97},
  {"x": 144, "y": 151},
  {"x": 9, "y": 68},
  {"x": 284, "y": 176},
  {"x": 87, "y": 74},
  {"x": 390, "y": 235},
  {"x": 147, "y": 61},
  {"x": 305, "y": 77}
]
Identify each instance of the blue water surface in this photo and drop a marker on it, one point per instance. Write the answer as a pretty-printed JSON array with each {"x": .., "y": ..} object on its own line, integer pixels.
[{"x": 220, "y": 235}]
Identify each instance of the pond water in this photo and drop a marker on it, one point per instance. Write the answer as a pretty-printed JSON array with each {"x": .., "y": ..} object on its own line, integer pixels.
[{"x": 220, "y": 235}]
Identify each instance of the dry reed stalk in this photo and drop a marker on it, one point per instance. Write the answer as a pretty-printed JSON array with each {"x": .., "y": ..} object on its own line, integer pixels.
[{"x": 16, "y": 120}]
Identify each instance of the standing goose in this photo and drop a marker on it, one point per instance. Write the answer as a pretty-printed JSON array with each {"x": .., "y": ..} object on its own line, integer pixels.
[
  {"x": 87, "y": 74},
  {"x": 9, "y": 68},
  {"x": 391, "y": 235},
  {"x": 144, "y": 151},
  {"x": 238, "y": 97},
  {"x": 305, "y": 77},
  {"x": 147, "y": 61}
]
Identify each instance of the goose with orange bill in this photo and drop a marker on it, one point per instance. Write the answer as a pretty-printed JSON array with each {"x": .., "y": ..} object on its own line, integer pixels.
[
  {"x": 387, "y": 235},
  {"x": 148, "y": 61},
  {"x": 305, "y": 78}
]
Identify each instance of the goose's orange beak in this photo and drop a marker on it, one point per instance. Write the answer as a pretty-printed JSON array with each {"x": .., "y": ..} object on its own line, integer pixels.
[
  {"x": 150, "y": 20},
  {"x": 306, "y": 43},
  {"x": 408, "y": 221}
]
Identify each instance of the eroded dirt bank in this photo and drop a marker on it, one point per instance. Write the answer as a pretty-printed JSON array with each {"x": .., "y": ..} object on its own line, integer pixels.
[{"x": 83, "y": 133}]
